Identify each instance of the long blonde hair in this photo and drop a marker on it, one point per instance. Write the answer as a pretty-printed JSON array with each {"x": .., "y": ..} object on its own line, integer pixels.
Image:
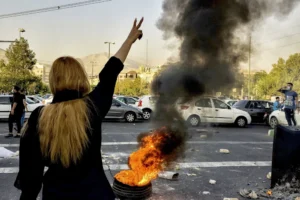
[{"x": 62, "y": 126}]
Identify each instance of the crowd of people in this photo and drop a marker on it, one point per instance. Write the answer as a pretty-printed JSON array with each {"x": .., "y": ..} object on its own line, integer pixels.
[{"x": 17, "y": 113}]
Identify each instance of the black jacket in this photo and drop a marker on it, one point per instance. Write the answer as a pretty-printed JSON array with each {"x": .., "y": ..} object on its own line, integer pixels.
[{"x": 84, "y": 181}]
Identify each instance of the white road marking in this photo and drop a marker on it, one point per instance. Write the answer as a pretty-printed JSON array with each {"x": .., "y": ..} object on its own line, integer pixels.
[
  {"x": 188, "y": 142},
  {"x": 116, "y": 167}
]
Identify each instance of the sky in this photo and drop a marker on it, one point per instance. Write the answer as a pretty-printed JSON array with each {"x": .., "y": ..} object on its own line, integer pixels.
[{"x": 82, "y": 31}]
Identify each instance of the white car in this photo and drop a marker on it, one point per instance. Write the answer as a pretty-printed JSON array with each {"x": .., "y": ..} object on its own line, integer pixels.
[
  {"x": 5, "y": 106},
  {"x": 212, "y": 110},
  {"x": 49, "y": 100},
  {"x": 35, "y": 99},
  {"x": 147, "y": 105},
  {"x": 278, "y": 117}
]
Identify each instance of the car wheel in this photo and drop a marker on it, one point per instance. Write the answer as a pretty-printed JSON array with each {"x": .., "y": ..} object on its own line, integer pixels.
[
  {"x": 130, "y": 117},
  {"x": 146, "y": 114},
  {"x": 241, "y": 122},
  {"x": 194, "y": 120},
  {"x": 273, "y": 122}
]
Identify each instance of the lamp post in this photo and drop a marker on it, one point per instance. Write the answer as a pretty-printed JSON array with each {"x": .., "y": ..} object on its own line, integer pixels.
[
  {"x": 109, "y": 43},
  {"x": 21, "y": 30}
]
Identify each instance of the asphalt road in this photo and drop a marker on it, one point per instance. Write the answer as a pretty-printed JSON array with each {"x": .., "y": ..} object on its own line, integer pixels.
[{"x": 246, "y": 166}]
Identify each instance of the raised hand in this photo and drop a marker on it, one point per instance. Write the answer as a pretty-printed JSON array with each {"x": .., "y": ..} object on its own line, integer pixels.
[{"x": 135, "y": 32}]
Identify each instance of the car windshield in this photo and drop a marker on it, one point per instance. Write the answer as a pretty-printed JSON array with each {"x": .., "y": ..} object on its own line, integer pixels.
[
  {"x": 239, "y": 104},
  {"x": 29, "y": 101}
]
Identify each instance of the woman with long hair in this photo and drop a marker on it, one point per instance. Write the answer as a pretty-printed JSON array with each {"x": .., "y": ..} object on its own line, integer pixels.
[{"x": 65, "y": 136}]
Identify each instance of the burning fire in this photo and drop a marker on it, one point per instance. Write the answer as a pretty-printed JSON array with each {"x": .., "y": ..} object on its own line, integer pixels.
[{"x": 147, "y": 161}]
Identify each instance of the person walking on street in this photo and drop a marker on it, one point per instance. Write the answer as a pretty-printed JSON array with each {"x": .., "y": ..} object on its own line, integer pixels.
[
  {"x": 276, "y": 104},
  {"x": 65, "y": 136},
  {"x": 290, "y": 103},
  {"x": 16, "y": 112},
  {"x": 25, "y": 106}
]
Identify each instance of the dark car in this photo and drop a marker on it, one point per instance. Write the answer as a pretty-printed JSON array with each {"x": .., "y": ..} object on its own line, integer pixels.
[{"x": 258, "y": 110}]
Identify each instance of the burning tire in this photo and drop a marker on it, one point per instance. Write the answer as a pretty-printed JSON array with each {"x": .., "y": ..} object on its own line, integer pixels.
[
  {"x": 194, "y": 120},
  {"x": 126, "y": 192},
  {"x": 241, "y": 122},
  {"x": 146, "y": 114},
  {"x": 130, "y": 117}
]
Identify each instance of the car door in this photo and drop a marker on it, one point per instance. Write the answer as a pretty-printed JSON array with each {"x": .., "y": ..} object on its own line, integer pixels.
[
  {"x": 223, "y": 112},
  {"x": 116, "y": 110},
  {"x": 5, "y": 107},
  {"x": 261, "y": 110},
  {"x": 204, "y": 109},
  {"x": 253, "y": 110}
]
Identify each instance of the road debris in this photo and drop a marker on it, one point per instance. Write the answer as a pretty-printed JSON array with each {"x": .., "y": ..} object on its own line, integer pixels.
[
  {"x": 248, "y": 194},
  {"x": 212, "y": 182},
  {"x": 5, "y": 153},
  {"x": 225, "y": 151},
  {"x": 191, "y": 174},
  {"x": 203, "y": 136},
  {"x": 269, "y": 175},
  {"x": 168, "y": 175},
  {"x": 205, "y": 192},
  {"x": 253, "y": 195},
  {"x": 230, "y": 199},
  {"x": 269, "y": 192}
]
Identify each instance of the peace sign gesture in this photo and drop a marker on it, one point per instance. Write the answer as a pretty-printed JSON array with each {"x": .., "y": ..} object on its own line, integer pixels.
[{"x": 135, "y": 32}]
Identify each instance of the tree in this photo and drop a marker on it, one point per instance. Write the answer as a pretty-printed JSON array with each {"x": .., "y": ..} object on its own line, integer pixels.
[
  {"x": 282, "y": 72},
  {"x": 18, "y": 69},
  {"x": 130, "y": 87}
]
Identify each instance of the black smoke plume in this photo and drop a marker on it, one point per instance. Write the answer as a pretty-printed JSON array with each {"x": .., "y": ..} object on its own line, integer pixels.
[{"x": 210, "y": 51}]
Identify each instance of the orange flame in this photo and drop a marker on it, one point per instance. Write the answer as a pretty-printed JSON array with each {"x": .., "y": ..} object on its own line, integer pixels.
[{"x": 146, "y": 162}]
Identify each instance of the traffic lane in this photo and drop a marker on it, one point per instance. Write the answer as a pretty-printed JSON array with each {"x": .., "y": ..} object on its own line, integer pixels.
[
  {"x": 118, "y": 154},
  {"x": 120, "y": 131},
  {"x": 190, "y": 185}
]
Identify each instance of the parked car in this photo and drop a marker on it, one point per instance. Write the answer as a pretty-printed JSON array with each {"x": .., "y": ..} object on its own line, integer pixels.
[
  {"x": 230, "y": 102},
  {"x": 49, "y": 100},
  {"x": 258, "y": 110},
  {"x": 47, "y": 96},
  {"x": 35, "y": 99},
  {"x": 5, "y": 106},
  {"x": 213, "y": 110},
  {"x": 127, "y": 100},
  {"x": 278, "y": 117},
  {"x": 147, "y": 105},
  {"x": 120, "y": 110}
]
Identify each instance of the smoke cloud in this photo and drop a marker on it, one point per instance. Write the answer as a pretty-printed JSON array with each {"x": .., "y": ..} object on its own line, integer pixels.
[{"x": 210, "y": 51}]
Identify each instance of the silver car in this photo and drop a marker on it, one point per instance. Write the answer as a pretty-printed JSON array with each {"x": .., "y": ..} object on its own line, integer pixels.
[{"x": 120, "y": 110}]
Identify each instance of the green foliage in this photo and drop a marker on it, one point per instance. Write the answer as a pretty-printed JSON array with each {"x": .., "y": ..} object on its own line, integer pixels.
[
  {"x": 130, "y": 87},
  {"x": 18, "y": 69},
  {"x": 282, "y": 72}
]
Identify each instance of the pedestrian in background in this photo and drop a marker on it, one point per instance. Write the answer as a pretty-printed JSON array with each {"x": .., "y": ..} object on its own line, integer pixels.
[
  {"x": 16, "y": 112},
  {"x": 290, "y": 103},
  {"x": 25, "y": 106},
  {"x": 276, "y": 104},
  {"x": 66, "y": 135}
]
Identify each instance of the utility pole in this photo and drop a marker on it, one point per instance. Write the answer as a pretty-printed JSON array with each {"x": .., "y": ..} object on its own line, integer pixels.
[
  {"x": 109, "y": 43},
  {"x": 249, "y": 75},
  {"x": 93, "y": 63},
  {"x": 147, "y": 54},
  {"x": 21, "y": 30}
]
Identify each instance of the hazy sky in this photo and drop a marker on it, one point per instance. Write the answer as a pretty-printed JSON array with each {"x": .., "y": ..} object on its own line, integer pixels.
[{"x": 82, "y": 31}]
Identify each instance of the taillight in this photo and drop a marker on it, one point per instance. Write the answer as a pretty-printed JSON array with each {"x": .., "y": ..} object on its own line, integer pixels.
[
  {"x": 140, "y": 103},
  {"x": 184, "y": 107}
]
